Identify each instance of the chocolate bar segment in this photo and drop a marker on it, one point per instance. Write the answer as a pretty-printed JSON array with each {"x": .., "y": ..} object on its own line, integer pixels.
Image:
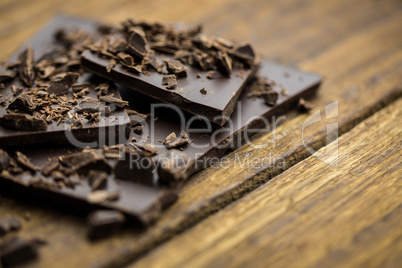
[
  {"x": 44, "y": 88},
  {"x": 174, "y": 66}
]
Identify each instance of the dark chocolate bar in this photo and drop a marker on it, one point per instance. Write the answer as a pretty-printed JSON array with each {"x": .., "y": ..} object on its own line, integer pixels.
[
  {"x": 201, "y": 75},
  {"x": 44, "y": 94}
]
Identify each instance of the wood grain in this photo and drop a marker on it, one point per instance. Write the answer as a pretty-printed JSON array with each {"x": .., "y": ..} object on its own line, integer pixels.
[
  {"x": 355, "y": 45},
  {"x": 313, "y": 214}
]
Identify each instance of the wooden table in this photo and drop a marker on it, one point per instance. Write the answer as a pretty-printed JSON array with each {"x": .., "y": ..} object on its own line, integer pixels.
[{"x": 299, "y": 209}]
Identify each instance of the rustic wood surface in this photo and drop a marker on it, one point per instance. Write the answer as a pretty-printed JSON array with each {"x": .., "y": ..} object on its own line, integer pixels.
[
  {"x": 356, "y": 45},
  {"x": 313, "y": 214}
]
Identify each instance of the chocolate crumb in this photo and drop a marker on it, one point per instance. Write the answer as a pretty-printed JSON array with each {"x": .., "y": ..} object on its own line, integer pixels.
[
  {"x": 203, "y": 91},
  {"x": 304, "y": 106}
]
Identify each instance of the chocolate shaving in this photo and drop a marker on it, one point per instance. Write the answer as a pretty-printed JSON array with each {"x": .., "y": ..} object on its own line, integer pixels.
[
  {"x": 24, "y": 104},
  {"x": 224, "y": 64},
  {"x": 172, "y": 141},
  {"x": 23, "y": 122},
  {"x": 110, "y": 99},
  {"x": 50, "y": 166},
  {"x": 101, "y": 196},
  {"x": 24, "y": 161},
  {"x": 137, "y": 44},
  {"x": 138, "y": 129},
  {"x": 177, "y": 68},
  {"x": 169, "y": 81},
  {"x": 62, "y": 83},
  {"x": 97, "y": 179},
  {"x": 26, "y": 68}
]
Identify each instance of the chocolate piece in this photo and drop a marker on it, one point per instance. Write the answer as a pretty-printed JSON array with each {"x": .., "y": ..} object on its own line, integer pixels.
[
  {"x": 6, "y": 74},
  {"x": 137, "y": 44},
  {"x": 169, "y": 81},
  {"x": 104, "y": 223},
  {"x": 112, "y": 100},
  {"x": 26, "y": 67},
  {"x": 22, "y": 122},
  {"x": 245, "y": 52},
  {"x": 184, "y": 54},
  {"x": 224, "y": 64},
  {"x": 97, "y": 179},
  {"x": 24, "y": 161},
  {"x": 60, "y": 84},
  {"x": 47, "y": 108},
  {"x": 84, "y": 162},
  {"x": 22, "y": 104},
  {"x": 172, "y": 141},
  {"x": 304, "y": 106},
  {"x": 16, "y": 251},
  {"x": 177, "y": 68}
]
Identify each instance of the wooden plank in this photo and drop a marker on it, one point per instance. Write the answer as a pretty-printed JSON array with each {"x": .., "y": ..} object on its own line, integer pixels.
[
  {"x": 358, "y": 52},
  {"x": 313, "y": 214}
]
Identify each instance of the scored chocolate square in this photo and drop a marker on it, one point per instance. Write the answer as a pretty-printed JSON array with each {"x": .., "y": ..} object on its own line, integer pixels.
[
  {"x": 45, "y": 97},
  {"x": 201, "y": 75}
]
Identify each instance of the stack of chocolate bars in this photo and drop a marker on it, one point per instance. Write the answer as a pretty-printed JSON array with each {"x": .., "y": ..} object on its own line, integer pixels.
[{"x": 118, "y": 117}]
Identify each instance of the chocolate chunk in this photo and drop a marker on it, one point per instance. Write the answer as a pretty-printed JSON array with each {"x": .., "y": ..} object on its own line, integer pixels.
[
  {"x": 245, "y": 52},
  {"x": 24, "y": 161},
  {"x": 17, "y": 251},
  {"x": 224, "y": 64},
  {"x": 304, "y": 106},
  {"x": 62, "y": 83},
  {"x": 137, "y": 44},
  {"x": 147, "y": 149},
  {"x": 97, "y": 179},
  {"x": 112, "y": 100},
  {"x": 173, "y": 141},
  {"x": 177, "y": 68},
  {"x": 126, "y": 59},
  {"x": 23, "y": 104},
  {"x": 50, "y": 166},
  {"x": 169, "y": 81},
  {"x": 22, "y": 122},
  {"x": 173, "y": 167},
  {"x": 26, "y": 68},
  {"x": 104, "y": 223}
]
